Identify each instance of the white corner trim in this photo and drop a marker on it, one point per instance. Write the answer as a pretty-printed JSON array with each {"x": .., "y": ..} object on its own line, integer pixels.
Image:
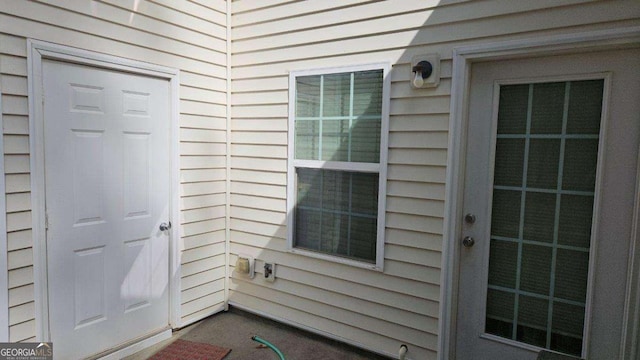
[
  {"x": 4, "y": 269},
  {"x": 463, "y": 58},
  {"x": 227, "y": 196},
  {"x": 37, "y": 51}
]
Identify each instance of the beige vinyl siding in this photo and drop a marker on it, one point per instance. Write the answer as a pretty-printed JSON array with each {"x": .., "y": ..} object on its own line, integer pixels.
[
  {"x": 190, "y": 36},
  {"x": 380, "y": 311}
]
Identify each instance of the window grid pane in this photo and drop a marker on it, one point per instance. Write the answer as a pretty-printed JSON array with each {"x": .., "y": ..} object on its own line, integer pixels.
[
  {"x": 556, "y": 190},
  {"x": 344, "y": 115},
  {"x": 334, "y": 216}
]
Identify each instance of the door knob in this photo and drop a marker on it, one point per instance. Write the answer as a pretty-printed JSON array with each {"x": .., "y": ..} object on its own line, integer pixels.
[
  {"x": 468, "y": 241},
  {"x": 165, "y": 226}
]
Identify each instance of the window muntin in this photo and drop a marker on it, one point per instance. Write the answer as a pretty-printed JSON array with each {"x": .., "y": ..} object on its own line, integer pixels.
[{"x": 337, "y": 164}]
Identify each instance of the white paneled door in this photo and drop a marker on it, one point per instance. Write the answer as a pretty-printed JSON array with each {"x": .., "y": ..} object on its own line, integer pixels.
[
  {"x": 107, "y": 193},
  {"x": 550, "y": 181}
]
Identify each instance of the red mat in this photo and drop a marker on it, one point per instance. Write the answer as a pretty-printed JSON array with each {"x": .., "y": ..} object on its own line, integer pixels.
[{"x": 189, "y": 350}]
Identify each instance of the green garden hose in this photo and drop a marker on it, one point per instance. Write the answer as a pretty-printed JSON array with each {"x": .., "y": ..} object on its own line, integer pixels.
[{"x": 269, "y": 345}]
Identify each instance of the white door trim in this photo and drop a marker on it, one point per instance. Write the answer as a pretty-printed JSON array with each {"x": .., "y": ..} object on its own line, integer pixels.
[
  {"x": 463, "y": 58},
  {"x": 37, "y": 52},
  {"x": 4, "y": 269}
]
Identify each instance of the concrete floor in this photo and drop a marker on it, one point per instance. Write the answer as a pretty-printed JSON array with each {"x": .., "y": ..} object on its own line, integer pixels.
[{"x": 233, "y": 329}]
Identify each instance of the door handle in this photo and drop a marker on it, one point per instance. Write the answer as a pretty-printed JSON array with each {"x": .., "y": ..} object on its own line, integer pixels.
[
  {"x": 165, "y": 226},
  {"x": 468, "y": 241}
]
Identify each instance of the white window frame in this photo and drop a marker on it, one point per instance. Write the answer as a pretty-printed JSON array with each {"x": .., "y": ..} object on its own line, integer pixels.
[{"x": 380, "y": 168}]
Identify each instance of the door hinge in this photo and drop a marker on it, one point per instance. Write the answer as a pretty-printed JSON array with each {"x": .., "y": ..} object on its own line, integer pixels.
[{"x": 46, "y": 221}]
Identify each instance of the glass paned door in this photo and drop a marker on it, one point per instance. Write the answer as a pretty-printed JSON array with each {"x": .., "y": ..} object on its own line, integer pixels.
[{"x": 542, "y": 212}]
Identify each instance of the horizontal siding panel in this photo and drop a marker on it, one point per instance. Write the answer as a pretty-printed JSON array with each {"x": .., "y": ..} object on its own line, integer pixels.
[
  {"x": 412, "y": 140},
  {"x": 413, "y": 255},
  {"x": 259, "y": 177},
  {"x": 189, "y": 216},
  {"x": 16, "y": 164},
  {"x": 19, "y": 239},
  {"x": 191, "y": 242},
  {"x": 423, "y": 274},
  {"x": 20, "y": 258},
  {"x": 257, "y": 98},
  {"x": 15, "y": 124},
  {"x": 413, "y": 239},
  {"x": 202, "y": 252},
  {"x": 203, "y": 95},
  {"x": 202, "y": 227},
  {"x": 263, "y": 216},
  {"x": 435, "y": 174},
  {"x": 13, "y": 45},
  {"x": 202, "y": 175},
  {"x": 266, "y": 125},
  {"x": 263, "y": 111},
  {"x": 19, "y": 221},
  {"x": 202, "y": 148},
  {"x": 376, "y": 295},
  {"x": 202, "y": 122},
  {"x": 276, "y": 165},
  {"x": 268, "y": 151},
  {"x": 259, "y": 138},
  {"x": 259, "y": 228},
  {"x": 437, "y": 157},
  {"x": 432, "y": 225},
  {"x": 279, "y": 205},
  {"x": 395, "y": 315},
  {"x": 202, "y": 188},
  {"x": 35, "y": 29},
  {"x": 14, "y": 85},
  {"x": 259, "y": 84},
  {"x": 200, "y": 291},
  {"x": 21, "y": 313},
  {"x": 195, "y": 9},
  {"x": 165, "y": 14},
  {"x": 411, "y": 206},
  {"x": 202, "y": 135},
  {"x": 414, "y": 189},
  {"x": 351, "y": 319},
  {"x": 22, "y": 331},
  {"x": 242, "y": 16},
  {"x": 16, "y": 144},
  {"x": 191, "y": 307},
  {"x": 13, "y": 65},
  {"x": 17, "y": 183},
  {"x": 200, "y": 201},
  {"x": 21, "y": 295},
  {"x": 18, "y": 202},
  {"x": 202, "y": 108},
  {"x": 15, "y": 105},
  {"x": 344, "y": 272},
  {"x": 493, "y": 26},
  {"x": 248, "y": 188},
  {"x": 193, "y": 79},
  {"x": 202, "y": 162},
  {"x": 206, "y": 312},
  {"x": 200, "y": 278},
  {"x": 327, "y": 325},
  {"x": 199, "y": 266},
  {"x": 430, "y": 122},
  {"x": 20, "y": 277}
]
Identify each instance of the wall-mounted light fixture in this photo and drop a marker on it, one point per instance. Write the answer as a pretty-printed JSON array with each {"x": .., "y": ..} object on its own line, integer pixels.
[{"x": 425, "y": 71}]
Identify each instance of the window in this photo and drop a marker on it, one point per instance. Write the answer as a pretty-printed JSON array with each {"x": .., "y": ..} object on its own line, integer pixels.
[{"x": 338, "y": 126}]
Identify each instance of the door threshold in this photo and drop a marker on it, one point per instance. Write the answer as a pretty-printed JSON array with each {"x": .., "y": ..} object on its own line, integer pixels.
[{"x": 133, "y": 346}]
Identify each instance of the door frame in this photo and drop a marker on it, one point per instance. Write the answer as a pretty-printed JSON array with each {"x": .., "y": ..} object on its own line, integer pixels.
[
  {"x": 463, "y": 59},
  {"x": 38, "y": 51}
]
